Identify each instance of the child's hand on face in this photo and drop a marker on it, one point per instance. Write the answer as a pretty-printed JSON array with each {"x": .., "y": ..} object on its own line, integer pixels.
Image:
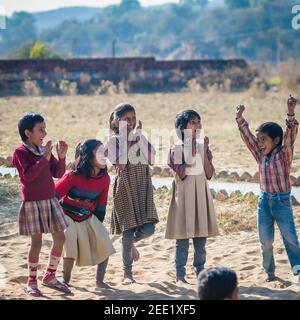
[
  {"x": 61, "y": 149},
  {"x": 48, "y": 150},
  {"x": 291, "y": 104}
]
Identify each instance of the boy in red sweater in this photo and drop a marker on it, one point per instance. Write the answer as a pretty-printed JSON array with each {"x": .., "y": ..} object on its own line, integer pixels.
[{"x": 40, "y": 212}]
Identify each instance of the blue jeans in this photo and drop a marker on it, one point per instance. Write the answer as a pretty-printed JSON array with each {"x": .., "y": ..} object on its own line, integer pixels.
[
  {"x": 181, "y": 255},
  {"x": 128, "y": 238},
  {"x": 276, "y": 207}
]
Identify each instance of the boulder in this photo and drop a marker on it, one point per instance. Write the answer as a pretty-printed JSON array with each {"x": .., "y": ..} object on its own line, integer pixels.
[
  {"x": 255, "y": 178},
  {"x": 246, "y": 177},
  {"x": 166, "y": 172},
  {"x": 222, "y": 175},
  {"x": 294, "y": 180},
  {"x": 157, "y": 171},
  {"x": 235, "y": 194},
  {"x": 213, "y": 193},
  {"x": 234, "y": 176},
  {"x": 294, "y": 201},
  {"x": 221, "y": 195}
]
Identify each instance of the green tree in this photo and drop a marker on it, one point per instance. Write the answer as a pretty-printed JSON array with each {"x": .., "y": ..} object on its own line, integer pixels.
[
  {"x": 130, "y": 4},
  {"x": 233, "y": 4},
  {"x": 35, "y": 50},
  {"x": 201, "y": 3}
]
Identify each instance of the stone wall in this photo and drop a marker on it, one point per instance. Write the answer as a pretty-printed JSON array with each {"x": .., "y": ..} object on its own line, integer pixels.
[{"x": 139, "y": 74}]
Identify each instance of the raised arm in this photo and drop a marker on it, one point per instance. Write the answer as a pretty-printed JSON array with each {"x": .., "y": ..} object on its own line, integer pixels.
[
  {"x": 291, "y": 129},
  {"x": 247, "y": 136}
]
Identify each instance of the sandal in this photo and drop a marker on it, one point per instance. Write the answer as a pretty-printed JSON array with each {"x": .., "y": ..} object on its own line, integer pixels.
[
  {"x": 54, "y": 283},
  {"x": 33, "y": 291}
]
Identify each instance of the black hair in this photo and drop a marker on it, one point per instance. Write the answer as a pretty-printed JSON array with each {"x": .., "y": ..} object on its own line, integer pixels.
[
  {"x": 83, "y": 158},
  {"x": 28, "y": 122},
  {"x": 182, "y": 120},
  {"x": 273, "y": 130},
  {"x": 216, "y": 283},
  {"x": 118, "y": 113}
]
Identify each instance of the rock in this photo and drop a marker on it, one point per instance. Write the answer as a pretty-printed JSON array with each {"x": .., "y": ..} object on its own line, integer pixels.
[
  {"x": 255, "y": 178},
  {"x": 9, "y": 162},
  {"x": 294, "y": 181},
  {"x": 157, "y": 171},
  {"x": 246, "y": 177},
  {"x": 234, "y": 176},
  {"x": 222, "y": 175},
  {"x": 213, "y": 193},
  {"x": 235, "y": 194},
  {"x": 294, "y": 201},
  {"x": 166, "y": 172},
  {"x": 249, "y": 194},
  {"x": 2, "y": 161},
  {"x": 221, "y": 195}
]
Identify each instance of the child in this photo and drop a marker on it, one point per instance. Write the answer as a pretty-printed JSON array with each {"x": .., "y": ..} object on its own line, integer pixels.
[
  {"x": 40, "y": 212},
  {"x": 134, "y": 214},
  {"x": 273, "y": 152},
  {"x": 218, "y": 284},
  {"x": 83, "y": 193},
  {"x": 191, "y": 211}
]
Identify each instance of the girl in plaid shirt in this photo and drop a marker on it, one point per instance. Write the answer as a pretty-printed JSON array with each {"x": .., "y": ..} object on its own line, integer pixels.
[{"x": 273, "y": 151}]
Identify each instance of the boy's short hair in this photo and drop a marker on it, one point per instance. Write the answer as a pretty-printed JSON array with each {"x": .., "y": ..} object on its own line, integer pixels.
[
  {"x": 27, "y": 122},
  {"x": 216, "y": 283},
  {"x": 272, "y": 129}
]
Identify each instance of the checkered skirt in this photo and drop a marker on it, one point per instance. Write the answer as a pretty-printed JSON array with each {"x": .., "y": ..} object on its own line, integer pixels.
[
  {"x": 44, "y": 216},
  {"x": 133, "y": 203}
]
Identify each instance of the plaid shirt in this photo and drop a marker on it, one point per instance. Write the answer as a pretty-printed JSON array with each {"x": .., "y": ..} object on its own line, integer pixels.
[{"x": 274, "y": 168}]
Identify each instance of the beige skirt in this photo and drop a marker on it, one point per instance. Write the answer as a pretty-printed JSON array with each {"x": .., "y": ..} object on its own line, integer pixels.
[
  {"x": 87, "y": 242},
  {"x": 191, "y": 212}
]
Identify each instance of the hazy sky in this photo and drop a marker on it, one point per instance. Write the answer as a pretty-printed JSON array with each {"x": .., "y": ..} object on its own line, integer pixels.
[{"x": 44, "y": 5}]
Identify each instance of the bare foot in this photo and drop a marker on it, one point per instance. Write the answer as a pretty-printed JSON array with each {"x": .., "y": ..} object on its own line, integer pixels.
[
  {"x": 135, "y": 253},
  {"x": 102, "y": 285}
]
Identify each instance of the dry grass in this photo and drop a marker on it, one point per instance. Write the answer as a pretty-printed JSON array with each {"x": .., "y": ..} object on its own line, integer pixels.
[
  {"x": 234, "y": 215},
  {"x": 75, "y": 118}
]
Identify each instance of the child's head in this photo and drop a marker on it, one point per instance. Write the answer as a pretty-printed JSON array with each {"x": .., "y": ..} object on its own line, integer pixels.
[
  {"x": 269, "y": 136},
  {"x": 122, "y": 112},
  {"x": 89, "y": 158},
  {"x": 188, "y": 119},
  {"x": 217, "y": 284},
  {"x": 32, "y": 129}
]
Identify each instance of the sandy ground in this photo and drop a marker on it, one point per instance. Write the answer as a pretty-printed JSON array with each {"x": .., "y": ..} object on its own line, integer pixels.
[{"x": 154, "y": 272}]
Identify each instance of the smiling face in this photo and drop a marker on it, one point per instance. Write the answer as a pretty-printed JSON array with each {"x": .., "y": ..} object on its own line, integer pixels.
[
  {"x": 195, "y": 125},
  {"x": 130, "y": 119},
  {"x": 266, "y": 143},
  {"x": 37, "y": 135}
]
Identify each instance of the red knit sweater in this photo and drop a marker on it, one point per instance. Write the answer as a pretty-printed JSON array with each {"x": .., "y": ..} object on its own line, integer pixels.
[{"x": 36, "y": 174}]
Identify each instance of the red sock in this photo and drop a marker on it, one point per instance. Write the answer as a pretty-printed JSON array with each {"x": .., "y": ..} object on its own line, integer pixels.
[
  {"x": 32, "y": 271},
  {"x": 54, "y": 259}
]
